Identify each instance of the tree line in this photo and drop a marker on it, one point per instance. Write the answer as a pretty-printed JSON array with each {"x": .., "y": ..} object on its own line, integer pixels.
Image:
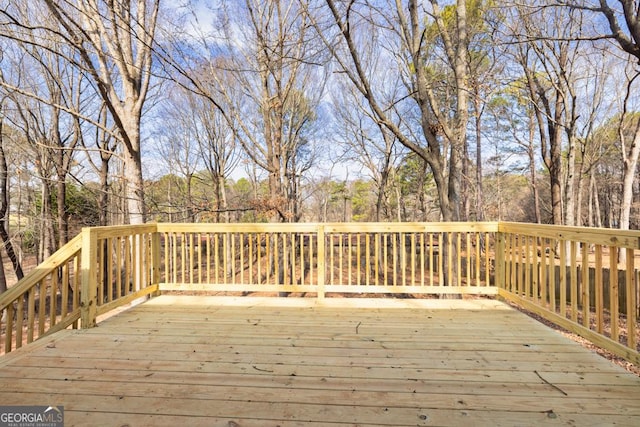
[{"x": 126, "y": 111}]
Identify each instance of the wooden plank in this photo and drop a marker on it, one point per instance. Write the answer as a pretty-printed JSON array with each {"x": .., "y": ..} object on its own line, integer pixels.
[
  {"x": 35, "y": 276},
  {"x": 410, "y": 227},
  {"x": 53, "y": 297},
  {"x": 422, "y": 247},
  {"x": 591, "y": 235},
  {"x": 200, "y": 249},
  {"x": 497, "y": 386},
  {"x": 208, "y": 256},
  {"x": 440, "y": 259},
  {"x": 431, "y": 260},
  {"x": 458, "y": 253},
  {"x": 535, "y": 270},
  {"x": 223, "y": 228},
  {"x": 599, "y": 290},
  {"x": 110, "y": 266},
  {"x": 632, "y": 302},
  {"x": 488, "y": 260},
  {"x": 127, "y": 272},
  {"x": 527, "y": 265},
  {"x": 77, "y": 274},
  {"x": 553, "y": 295},
  {"x": 298, "y": 396},
  {"x": 545, "y": 285},
  {"x": 614, "y": 302},
  {"x": 64, "y": 297},
  {"x": 573, "y": 280},
  {"x": 321, "y": 250},
  {"x": 599, "y": 340},
  {"x": 186, "y": 370},
  {"x": 585, "y": 296},
  {"x": 19, "y": 322},
  {"x": 42, "y": 303},
  {"x": 297, "y": 361},
  {"x": 347, "y": 412},
  {"x": 123, "y": 230},
  {"x": 563, "y": 278},
  {"x": 343, "y": 361},
  {"x": 31, "y": 308},
  {"x": 513, "y": 282},
  {"x": 8, "y": 335}
]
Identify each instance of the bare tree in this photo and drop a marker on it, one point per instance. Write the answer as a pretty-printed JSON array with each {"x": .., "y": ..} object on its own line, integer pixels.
[
  {"x": 430, "y": 48},
  {"x": 44, "y": 88},
  {"x": 263, "y": 77},
  {"x": 624, "y": 28},
  {"x": 547, "y": 52},
  {"x": 114, "y": 43},
  {"x": 366, "y": 142},
  {"x": 100, "y": 147},
  {"x": 198, "y": 141},
  {"x": 4, "y": 211},
  {"x": 432, "y": 59}
]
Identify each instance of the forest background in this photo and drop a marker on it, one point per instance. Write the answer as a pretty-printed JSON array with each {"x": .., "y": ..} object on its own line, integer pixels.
[{"x": 126, "y": 111}]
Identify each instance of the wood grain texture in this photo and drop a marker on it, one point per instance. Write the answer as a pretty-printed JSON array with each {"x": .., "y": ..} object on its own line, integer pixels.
[{"x": 223, "y": 361}]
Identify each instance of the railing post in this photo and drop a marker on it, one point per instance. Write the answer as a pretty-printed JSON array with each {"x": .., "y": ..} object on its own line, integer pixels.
[
  {"x": 89, "y": 279},
  {"x": 321, "y": 261},
  {"x": 155, "y": 258},
  {"x": 500, "y": 258}
]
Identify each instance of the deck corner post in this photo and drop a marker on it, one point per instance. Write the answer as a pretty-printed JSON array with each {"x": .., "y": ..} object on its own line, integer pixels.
[
  {"x": 89, "y": 279},
  {"x": 500, "y": 260},
  {"x": 321, "y": 261}
]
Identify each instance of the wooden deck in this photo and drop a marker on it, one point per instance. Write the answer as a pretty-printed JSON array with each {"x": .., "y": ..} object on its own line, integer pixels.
[{"x": 215, "y": 361}]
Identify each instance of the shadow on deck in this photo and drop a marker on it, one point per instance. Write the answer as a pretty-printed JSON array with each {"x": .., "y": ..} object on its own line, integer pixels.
[{"x": 180, "y": 360}]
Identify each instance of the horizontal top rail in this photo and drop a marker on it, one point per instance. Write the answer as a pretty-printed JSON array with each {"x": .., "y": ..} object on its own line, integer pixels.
[
  {"x": 597, "y": 236},
  {"x": 337, "y": 227},
  {"x": 237, "y": 228},
  {"x": 123, "y": 230},
  {"x": 41, "y": 271},
  {"x": 399, "y": 227}
]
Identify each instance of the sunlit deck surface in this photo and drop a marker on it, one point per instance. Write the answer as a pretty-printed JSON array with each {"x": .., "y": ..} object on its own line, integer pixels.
[{"x": 224, "y": 361}]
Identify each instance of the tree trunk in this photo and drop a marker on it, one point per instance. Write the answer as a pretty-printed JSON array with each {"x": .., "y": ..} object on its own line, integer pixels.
[
  {"x": 629, "y": 174},
  {"x": 61, "y": 207},
  {"x": 479, "y": 189},
  {"x": 555, "y": 166},
  {"x": 532, "y": 172},
  {"x": 134, "y": 187},
  {"x": 3, "y": 277},
  {"x": 596, "y": 201},
  {"x": 103, "y": 199},
  {"x": 466, "y": 198},
  {"x": 630, "y": 160},
  {"x": 222, "y": 195},
  {"x": 4, "y": 211},
  {"x": 570, "y": 192},
  {"x": 47, "y": 237}
]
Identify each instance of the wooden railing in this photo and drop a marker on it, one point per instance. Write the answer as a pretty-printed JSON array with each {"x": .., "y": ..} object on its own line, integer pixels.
[
  {"x": 99, "y": 270},
  {"x": 542, "y": 268},
  {"x": 45, "y": 301},
  {"x": 392, "y": 258},
  {"x": 582, "y": 279},
  {"x": 120, "y": 265}
]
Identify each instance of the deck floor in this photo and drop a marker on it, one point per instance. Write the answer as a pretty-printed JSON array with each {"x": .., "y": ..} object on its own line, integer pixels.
[{"x": 215, "y": 361}]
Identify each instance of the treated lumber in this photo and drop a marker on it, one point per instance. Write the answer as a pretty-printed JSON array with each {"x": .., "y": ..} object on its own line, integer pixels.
[{"x": 258, "y": 361}]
